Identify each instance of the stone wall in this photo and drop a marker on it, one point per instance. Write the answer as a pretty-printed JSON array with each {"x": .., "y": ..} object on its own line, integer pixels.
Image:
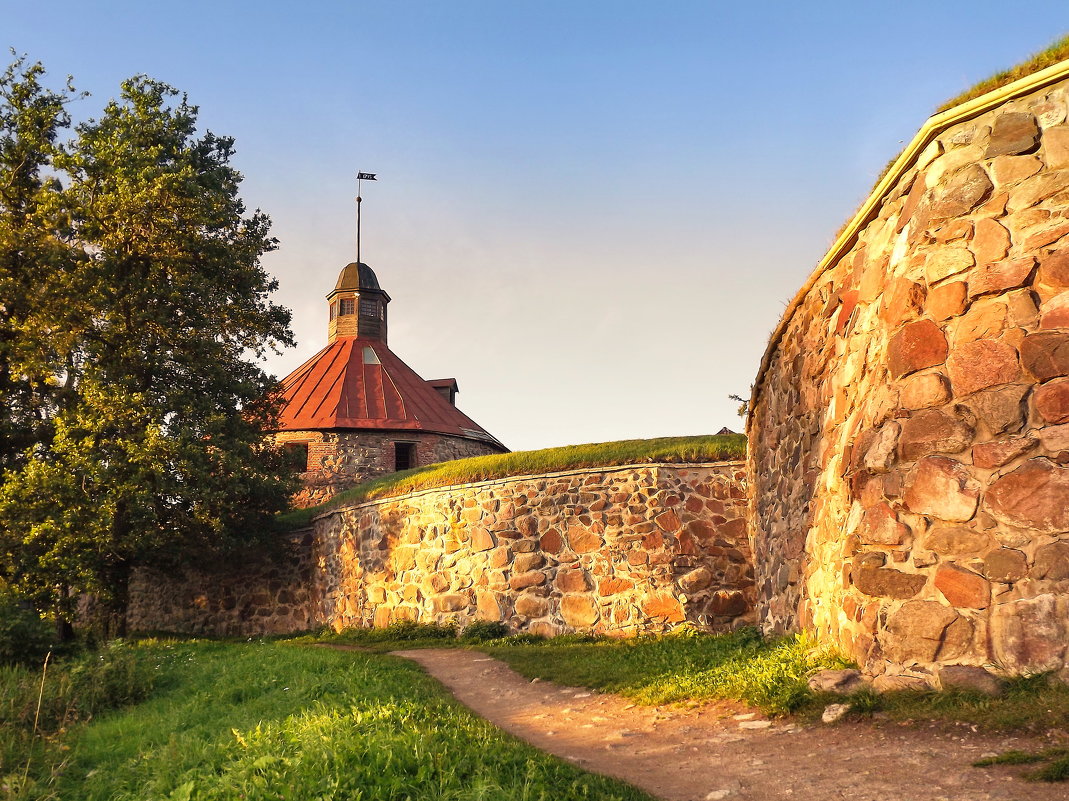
[
  {"x": 909, "y": 434},
  {"x": 618, "y": 550},
  {"x": 258, "y": 594},
  {"x": 338, "y": 460}
]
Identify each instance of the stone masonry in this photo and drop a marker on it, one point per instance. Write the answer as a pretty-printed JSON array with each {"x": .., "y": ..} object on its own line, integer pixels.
[
  {"x": 614, "y": 550},
  {"x": 909, "y": 438}
]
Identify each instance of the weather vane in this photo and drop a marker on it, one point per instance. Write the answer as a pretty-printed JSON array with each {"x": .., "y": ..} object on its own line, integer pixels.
[{"x": 360, "y": 177}]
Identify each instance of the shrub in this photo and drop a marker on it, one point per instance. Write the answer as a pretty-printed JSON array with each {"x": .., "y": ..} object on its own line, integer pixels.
[
  {"x": 484, "y": 630},
  {"x": 24, "y": 637}
]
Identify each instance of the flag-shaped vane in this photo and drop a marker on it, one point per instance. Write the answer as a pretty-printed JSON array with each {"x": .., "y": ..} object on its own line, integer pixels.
[
  {"x": 366, "y": 176},
  {"x": 360, "y": 176}
]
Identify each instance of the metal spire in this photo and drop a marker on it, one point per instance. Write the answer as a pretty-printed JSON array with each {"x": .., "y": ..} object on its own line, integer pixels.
[{"x": 360, "y": 177}]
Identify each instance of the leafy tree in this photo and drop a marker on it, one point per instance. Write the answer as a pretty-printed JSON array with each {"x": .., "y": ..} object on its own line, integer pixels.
[{"x": 155, "y": 451}]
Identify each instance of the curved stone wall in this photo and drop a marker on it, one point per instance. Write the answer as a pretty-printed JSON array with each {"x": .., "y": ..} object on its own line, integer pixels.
[
  {"x": 909, "y": 432},
  {"x": 617, "y": 550}
]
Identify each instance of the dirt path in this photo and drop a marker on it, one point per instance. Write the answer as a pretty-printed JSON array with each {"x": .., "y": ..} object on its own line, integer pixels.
[{"x": 724, "y": 752}]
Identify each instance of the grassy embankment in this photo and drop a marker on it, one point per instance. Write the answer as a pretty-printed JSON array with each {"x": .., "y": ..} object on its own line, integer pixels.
[
  {"x": 710, "y": 448},
  {"x": 270, "y": 720}
]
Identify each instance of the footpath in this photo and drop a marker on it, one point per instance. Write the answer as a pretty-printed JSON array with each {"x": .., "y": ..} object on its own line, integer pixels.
[{"x": 723, "y": 751}]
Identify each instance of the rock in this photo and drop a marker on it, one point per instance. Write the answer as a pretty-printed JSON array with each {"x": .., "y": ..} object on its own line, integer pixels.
[
  {"x": 1056, "y": 146},
  {"x": 452, "y": 602},
  {"x": 1046, "y": 355},
  {"x": 579, "y": 611},
  {"x": 1013, "y": 132},
  {"x": 932, "y": 431},
  {"x": 1054, "y": 269},
  {"x": 980, "y": 364},
  {"x": 890, "y": 684},
  {"x": 1052, "y": 400},
  {"x": 614, "y": 586},
  {"x": 1001, "y": 409},
  {"x": 1045, "y": 236},
  {"x": 962, "y": 588},
  {"x": 840, "y": 682},
  {"x": 1054, "y": 438},
  {"x": 986, "y": 319},
  {"x": 833, "y": 713},
  {"x": 947, "y": 300},
  {"x": 1049, "y": 114},
  {"x": 551, "y": 541},
  {"x": 755, "y": 724},
  {"x": 901, "y": 300},
  {"x": 1000, "y": 276},
  {"x": 1005, "y": 565},
  {"x": 1006, "y": 170},
  {"x": 487, "y": 606},
  {"x": 695, "y": 580},
  {"x": 1037, "y": 188},
  {"x": 667, "y": 521},
  {"x": 525, "y": 562},
  {"x": 924, "y": 391},
  {"x": 988, "y": 455},
  {"x": 531, "y": 578},
  {"x": 968, "y": 677},
  {"x": 572, "y": 581},
  {"x": 946, "y": 261},
  {"x": 1029, "y": 635},
  {"x": 1034, "y": 496},
  {"x": 1052, "y": 562},
  {"x": 942, "y": 488},
  {"x": 1054, "y": 312},
  {"x": 728, "y": 603},
  {"x": 664, "y": 605},
  {"x": 880, "y": 454},
  {"x": 990, "y": 242},
  {"x": 916, "y": 346},
  {"x": 482, "y": 540},
  {"x": 531, "y": 605},
  {"x": 962, "y": 193},
  {"x": 951, "y": 540},
  {"x": 543, "y": 628},
  {"x": 883, "y": 582},
  {"x": 921, "y": 631},
  {"x": 583, "y": 540},
  {"x": 880, "y": 526}
]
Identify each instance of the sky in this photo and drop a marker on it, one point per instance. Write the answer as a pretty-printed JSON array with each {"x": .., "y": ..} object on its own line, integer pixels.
[{"x": 592, "y": 214}]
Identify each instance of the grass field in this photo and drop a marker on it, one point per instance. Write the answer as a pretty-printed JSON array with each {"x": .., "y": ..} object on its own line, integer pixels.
[
  {"x": 711, "y": 448},
  {"x": 271, "y": 720}
]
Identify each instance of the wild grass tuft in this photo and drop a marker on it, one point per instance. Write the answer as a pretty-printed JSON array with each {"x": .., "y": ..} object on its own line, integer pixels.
[
  {"x": 770, "y": 674},
  {"x": 710, "y": 448},
  {"x": 1048, "y": 57},
  {"x": 1056, "y": 769}
]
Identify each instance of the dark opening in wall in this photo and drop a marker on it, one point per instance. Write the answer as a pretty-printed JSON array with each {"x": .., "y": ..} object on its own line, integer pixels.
[
  {"x": 298, "y": 454},
  {"x": 404, "y": 455}
]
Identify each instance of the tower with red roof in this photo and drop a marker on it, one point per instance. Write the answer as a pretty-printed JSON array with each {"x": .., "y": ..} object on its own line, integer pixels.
[{"x": 355, "y": 410}]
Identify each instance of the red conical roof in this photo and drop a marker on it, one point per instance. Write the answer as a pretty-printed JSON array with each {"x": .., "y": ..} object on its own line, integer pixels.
[{"x": 358, "y": 382}]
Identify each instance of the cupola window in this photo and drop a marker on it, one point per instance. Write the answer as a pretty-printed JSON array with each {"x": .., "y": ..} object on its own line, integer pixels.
[
  {"x": 333, "y": 310},
  {"x": 348, "y": 306},
  {"x": 370, "y": 308}
]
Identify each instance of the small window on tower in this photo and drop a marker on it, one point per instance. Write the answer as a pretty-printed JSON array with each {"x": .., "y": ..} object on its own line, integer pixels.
[
  {"x": 348, "y": 306},
  {"x": 370, "y": 308},
  {"x": 297, "y": 454},
  {"x": 404, "y": 455},
  {"x": 333, "y": 310}
]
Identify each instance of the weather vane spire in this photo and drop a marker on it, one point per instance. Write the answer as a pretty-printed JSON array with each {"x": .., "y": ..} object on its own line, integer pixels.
[{"x": 360, "y": 177}]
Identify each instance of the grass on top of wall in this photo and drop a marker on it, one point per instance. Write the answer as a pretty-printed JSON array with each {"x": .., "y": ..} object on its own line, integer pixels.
[
  {"x": 706, "y": 448},
  {"x": 1048, "y": 57}
]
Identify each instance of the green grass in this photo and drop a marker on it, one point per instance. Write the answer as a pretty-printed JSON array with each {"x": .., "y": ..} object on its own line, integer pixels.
[
  {"x": 709, "y": 448},
  {"x": 1056, "y": 769},
  {"x": 271, "y": 720},
  {"x": 769, "y": 674},
  {"x": 1049, "y": 56}
]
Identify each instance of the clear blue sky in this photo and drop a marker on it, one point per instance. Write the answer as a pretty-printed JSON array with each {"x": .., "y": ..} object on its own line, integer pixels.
[{"x": 590, "y": 213}]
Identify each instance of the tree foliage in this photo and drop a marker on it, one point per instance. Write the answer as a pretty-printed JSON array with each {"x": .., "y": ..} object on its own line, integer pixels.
[{"x": 137, "y": 308}]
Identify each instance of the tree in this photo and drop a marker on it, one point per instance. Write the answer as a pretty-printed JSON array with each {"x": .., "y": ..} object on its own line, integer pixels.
[{"x": 155, "y": 453}]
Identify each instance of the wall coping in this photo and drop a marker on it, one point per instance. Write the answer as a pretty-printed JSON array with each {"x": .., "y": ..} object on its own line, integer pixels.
[
  {"x": 616, "y": 468},
  {"x": 934, "y": 126}
]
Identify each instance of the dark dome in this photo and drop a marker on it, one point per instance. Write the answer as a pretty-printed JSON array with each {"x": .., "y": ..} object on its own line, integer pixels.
[{"x": 357, "y": 276}]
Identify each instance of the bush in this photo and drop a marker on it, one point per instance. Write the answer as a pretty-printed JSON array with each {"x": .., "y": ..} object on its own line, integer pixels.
[
  {"x": 484, "y": 630},
  {"x": 24, "y": 637}
]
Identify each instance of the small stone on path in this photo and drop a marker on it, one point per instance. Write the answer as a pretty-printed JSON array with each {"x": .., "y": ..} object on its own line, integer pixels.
[{"x": 834, "y": 713}]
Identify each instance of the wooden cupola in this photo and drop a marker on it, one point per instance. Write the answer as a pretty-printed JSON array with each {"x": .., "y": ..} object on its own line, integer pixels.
[{"x": 357, "y": 305}]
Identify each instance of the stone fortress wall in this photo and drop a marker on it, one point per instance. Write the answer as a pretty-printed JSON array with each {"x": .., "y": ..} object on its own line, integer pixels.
[
  {"x": 614, "y": 550},
  {"x": 909, "y": 430}
]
